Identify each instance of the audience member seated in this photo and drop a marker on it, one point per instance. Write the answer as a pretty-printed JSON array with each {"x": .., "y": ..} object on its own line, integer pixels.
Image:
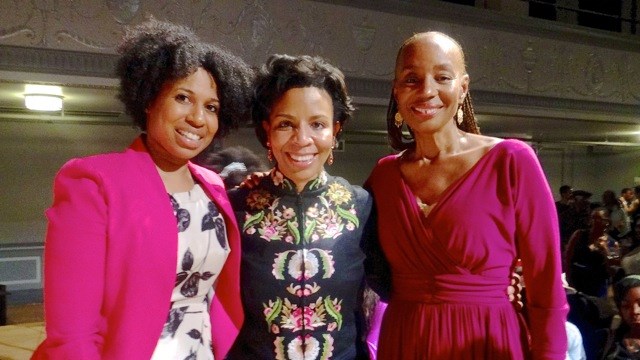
[
  {"x": 578, "y": 215},
  {"x": 587, "y": 324},
  {"x": 630, "y": 262},
  {"x": 593, "y": 317},
  {"x": 563, "y": 208},
  {"x": 620, "y": 225},
  {"x": 625, "y": 340},
  {"x": 627, "y": 197},
  {"x": 634, "y": 207},
  {"x": 587, "y": 260},
  {"x": 575, "y": 348}
]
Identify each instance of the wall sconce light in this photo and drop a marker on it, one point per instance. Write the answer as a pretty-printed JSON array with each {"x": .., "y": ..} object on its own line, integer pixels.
[{"x": 43, "y": 97}]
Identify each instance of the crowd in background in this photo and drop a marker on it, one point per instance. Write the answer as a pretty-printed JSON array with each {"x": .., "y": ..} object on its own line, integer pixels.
[
  {"x": 307, "y": 245},
  {"x": 600, "y": 240}
]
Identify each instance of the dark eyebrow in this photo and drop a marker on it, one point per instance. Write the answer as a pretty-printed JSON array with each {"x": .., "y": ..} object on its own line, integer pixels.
[{"x": 282, "y": 115}]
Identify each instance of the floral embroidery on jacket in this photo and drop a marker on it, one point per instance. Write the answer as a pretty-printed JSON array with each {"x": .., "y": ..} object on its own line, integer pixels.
[
  {"x": 327, "y": 219},
  {"x": 309, "y": 314}
]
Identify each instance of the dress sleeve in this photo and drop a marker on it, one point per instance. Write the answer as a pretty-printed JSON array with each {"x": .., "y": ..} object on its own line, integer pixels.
[
  {"x": 74, "y": 265},
  {"x": 538, "y": 244}
]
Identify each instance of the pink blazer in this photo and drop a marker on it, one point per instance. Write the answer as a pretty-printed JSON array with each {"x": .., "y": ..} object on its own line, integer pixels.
[{"x": 111, "y": 255}]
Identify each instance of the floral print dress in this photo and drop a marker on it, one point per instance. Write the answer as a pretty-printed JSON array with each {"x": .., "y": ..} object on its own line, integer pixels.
[
  {"x": 302, "y": 269},
  {"x": 202, "y": 251}
]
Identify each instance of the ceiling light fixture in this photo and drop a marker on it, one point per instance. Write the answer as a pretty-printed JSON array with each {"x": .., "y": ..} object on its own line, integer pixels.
[{"x": 43, "y": 97}]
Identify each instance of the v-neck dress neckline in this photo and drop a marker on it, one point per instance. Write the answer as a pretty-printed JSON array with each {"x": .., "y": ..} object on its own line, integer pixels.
[{"x": 442, "y": 197}]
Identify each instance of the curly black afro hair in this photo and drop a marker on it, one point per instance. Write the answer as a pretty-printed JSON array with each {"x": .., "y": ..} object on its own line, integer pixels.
[
  {"x": 284, "y": 72},
  {"x": 234, "y": 79},
  {"x": 156, "y": 52}
]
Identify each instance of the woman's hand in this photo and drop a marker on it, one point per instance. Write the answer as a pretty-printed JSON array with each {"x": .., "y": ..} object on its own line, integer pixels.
[
  {"x": 514, "y": 291},
  {"x": 252, "y": 180},
  {"x": 600, "y": 244}
]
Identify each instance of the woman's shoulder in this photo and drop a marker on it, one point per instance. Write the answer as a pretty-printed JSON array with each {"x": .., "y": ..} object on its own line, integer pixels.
[
  {"x": 99, "y": 162},
  {"x": 510, "y": 153},
  {"x": 388, "y": 160},
  {"x": 356, "y": 189},
  {"x": 386, "y": 163},
  {"x": 342, "y": 181},
  {"x": 491, "y": 142},
  {"x": 209, "y": 176},
  {"x": 512, "y": 146},
  {"x": 344, "y": 194}
]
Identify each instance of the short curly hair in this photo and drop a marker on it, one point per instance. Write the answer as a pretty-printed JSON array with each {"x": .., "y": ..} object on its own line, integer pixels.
[
  {"x": 156, "y": 52},
  {"x": 284, "y": 72}
]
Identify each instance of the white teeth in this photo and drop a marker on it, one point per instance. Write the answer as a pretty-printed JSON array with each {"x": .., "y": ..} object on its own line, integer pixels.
[
  {"x": 426, "y": 110},
  {"x": 302, "y": 157},
  {"x": 189, "y": 135}
]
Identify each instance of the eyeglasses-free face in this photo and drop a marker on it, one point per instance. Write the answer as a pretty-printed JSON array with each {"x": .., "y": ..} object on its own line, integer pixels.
[
  {"x": 430, "y": 82},
  {"x": 301, "y": 132},
  {"x": 183, "y": 119}
]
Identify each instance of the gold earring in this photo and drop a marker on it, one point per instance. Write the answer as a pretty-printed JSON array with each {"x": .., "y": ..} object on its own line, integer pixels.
[
  {"x": 330, "y": 159},
  {"x": 269, "y": 152},
  {"x": 460, "y": 116},
  {"x": 398, "y": 120}
]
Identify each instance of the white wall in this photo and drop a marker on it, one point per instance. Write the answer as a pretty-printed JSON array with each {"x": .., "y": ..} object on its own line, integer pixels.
[{"x": 30, "y": 155}]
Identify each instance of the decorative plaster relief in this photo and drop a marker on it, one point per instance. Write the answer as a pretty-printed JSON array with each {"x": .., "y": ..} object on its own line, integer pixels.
[
  {"x": 368, "y": 39},
  {"x": 364, "y": 35},
  {"x": 495, "y": 65},
  {"x": 544, "y": 67},
  {"x": 123, "y": 11},
  {"x": 253, "y": 27},
  {"x": 68, "y": 25},
  {"x": 17, "y": 31},
  {"x": 197, "y": 15},
  {"x": 363, "y": 43},
  {"x": 23, "y": 59},
  {"x": 629, "y": 73}
]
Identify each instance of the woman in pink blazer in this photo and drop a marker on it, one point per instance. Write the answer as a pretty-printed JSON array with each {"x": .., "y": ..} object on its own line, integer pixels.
[{"x": 142, "y": 251}]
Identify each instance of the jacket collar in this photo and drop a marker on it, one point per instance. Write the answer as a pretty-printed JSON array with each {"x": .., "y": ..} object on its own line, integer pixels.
[{"x": 286, "y": 184}]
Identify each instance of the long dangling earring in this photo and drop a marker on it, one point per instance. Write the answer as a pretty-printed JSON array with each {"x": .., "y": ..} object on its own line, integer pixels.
[
  {"x": 460, "y": 116},
  {"x": 398, "y": 120},
  {"x": 330, "y": 159},
  {"x": 269, "y": 152}
]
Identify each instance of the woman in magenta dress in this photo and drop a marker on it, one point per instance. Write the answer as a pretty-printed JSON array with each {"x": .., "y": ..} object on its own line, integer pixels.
[{"x": 455, "y": 211}]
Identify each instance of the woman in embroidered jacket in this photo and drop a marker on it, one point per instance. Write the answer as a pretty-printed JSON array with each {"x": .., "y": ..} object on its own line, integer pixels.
[
  {"x": 136, "y": 240},
  {"x": 302, "y": 264},
  {"x": 455, "y": 211}
]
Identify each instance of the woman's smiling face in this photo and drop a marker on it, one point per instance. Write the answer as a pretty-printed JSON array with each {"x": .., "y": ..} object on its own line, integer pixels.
[
  {"x": 301, "y": 132},
  {"x": 183, "y": 119},
  {"x": 430, "y": 82}
]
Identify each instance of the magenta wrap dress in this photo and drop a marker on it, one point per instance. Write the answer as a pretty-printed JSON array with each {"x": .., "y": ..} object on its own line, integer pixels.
[{"x": 450, "y": 270}]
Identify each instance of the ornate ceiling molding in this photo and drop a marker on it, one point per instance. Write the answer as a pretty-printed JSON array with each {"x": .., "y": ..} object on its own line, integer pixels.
[{"x": 61, "y": 62}]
